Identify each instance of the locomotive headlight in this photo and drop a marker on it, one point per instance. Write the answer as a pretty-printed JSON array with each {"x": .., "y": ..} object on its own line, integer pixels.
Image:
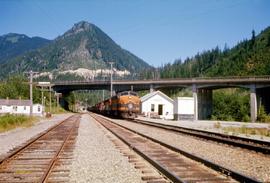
[{"x": 130, "y": 106}]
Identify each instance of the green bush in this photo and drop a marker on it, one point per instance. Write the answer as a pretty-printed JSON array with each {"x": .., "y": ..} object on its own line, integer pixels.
[
  {"x": 9, "y": 121},
  {"x": 262, "y": 116},
  {"x": 231, "y": 105}
]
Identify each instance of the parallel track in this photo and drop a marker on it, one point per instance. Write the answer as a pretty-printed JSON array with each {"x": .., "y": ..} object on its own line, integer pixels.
[
  {"x": 246, "y": 143},
  {"x": 43, "y": 158},
  {"x": 170, "y": 160}
]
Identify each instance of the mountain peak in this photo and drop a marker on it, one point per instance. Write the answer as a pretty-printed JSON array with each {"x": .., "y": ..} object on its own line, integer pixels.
[
  {"x": 13, "y": 37},
  {"x": 81, "y": 26},
  {"x": 83, "y": 46},
  {"x": 11, "y": 34},
  {"x": 13, "y": 44}
]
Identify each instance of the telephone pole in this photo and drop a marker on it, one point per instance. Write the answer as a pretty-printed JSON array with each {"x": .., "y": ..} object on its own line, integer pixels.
[
  {"x": 31, "y": 73},
  {"x": 111, "y": 63},
  {"x": 48, "y": 86}
]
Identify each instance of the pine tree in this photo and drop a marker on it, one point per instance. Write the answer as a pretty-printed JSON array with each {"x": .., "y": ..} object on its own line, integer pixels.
[{"x": 253, "y": 38}]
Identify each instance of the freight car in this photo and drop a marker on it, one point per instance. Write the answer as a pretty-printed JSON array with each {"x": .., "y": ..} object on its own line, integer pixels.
[{"x": 125, "y": 105}]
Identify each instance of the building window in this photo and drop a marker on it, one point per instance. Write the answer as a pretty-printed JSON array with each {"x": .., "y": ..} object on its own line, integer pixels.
[
  {"x": 0, "y": 108},
  {"x": 152, "y": 107},
  {"x": 24, "y": 108},
  {"x": 38, "y": 108}
]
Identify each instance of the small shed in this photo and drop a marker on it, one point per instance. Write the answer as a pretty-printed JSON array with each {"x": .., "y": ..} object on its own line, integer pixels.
[
  {"x": 12, "y": 106},
  {"x": 157, "y": 105},
  {"x": 184, "y": 108}
]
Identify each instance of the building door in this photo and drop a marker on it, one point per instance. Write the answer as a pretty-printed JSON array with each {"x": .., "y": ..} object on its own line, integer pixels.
[{"x": 160, "y": 109}]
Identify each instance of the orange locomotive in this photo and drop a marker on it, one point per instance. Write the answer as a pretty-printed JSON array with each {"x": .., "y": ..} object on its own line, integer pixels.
[{"x": 125, "y": 104}]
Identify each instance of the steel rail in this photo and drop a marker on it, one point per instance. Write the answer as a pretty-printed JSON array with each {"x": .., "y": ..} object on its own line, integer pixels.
[
  {"x": 246, "y": 143},
  {"x": 31, "y": 141},
  {"x": 158, "y": 166},
  {"x": 44, "y": 138},
  {"x": 53, "y": 161},
  {"x": 235, "y": 175}
]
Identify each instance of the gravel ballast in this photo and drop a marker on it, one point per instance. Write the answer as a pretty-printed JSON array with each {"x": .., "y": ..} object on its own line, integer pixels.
[
  {"x": 211, "y": 126},
  {"x": 249, "y": 163},
  {"x": 18, "y": 136},
  {"x": 97, "y": 160}
]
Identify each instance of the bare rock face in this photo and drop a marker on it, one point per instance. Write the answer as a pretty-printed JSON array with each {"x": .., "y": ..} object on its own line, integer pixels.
[{"x": 79, "y": 27}]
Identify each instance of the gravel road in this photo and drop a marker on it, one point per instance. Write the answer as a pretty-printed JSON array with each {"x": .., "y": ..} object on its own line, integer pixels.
[
  {"x": 96, "y": 158},
  {"x": 249, "y": 163}
]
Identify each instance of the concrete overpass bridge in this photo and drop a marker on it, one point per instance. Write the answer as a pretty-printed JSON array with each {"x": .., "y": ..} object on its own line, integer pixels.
[{"x": 202, "y": 89}]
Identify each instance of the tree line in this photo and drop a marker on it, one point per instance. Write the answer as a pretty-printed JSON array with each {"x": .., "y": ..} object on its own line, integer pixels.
[{"x": 250, "y": 57}]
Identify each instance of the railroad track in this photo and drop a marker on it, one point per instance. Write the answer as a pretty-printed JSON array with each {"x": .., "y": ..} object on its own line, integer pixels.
[
  {"x": 175, "y": 164},
  {"x": 246, "y": 143},
  {"x": 43, "y": 159}
]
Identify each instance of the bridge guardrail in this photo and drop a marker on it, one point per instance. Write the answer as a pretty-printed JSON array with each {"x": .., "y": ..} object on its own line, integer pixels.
[{"x": 191, "y": 80}]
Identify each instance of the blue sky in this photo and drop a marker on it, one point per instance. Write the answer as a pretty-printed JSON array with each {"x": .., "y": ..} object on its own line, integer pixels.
[{"x": 158, "y": 31}]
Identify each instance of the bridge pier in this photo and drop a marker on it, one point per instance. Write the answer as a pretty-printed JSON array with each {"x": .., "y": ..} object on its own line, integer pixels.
[
  {"x": 263, "y": 98},
  {"x": 205, "y": 103},
  {"x": 195, "y": 97},
  {"x": 151, "y": 88},
  {"x": 253, "y": 103},
  {"x": 203, "y": 99}
]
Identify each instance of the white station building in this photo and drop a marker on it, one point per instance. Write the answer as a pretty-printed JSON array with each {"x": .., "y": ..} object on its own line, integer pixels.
[
  {"x": 11, "y": 106},
  {"x": 157, "y": 105}
]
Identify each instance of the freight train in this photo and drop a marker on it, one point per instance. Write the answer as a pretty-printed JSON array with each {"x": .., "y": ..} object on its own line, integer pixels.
[{"x": 125, "y": 105}]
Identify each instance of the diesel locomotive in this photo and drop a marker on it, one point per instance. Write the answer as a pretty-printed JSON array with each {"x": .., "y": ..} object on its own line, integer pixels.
[{"x": 125, "y": 105}]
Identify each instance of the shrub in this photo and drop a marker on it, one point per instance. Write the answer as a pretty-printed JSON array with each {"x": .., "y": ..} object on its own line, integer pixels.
[
  {"x": 9, "y": 121},
  {"x": 262, "y": 116}
]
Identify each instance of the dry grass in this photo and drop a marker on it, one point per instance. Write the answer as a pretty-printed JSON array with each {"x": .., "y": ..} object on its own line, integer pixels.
[
  {"x": 247, "y": 131},
  {"x": 217, "y": 125},
  {"x": 56, "y": 110}
]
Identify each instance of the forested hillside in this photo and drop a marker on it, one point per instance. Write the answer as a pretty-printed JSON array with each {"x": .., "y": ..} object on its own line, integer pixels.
[
  {"x": 12, "y": 45},
  {"x": 83, "y": 46},
  {"x": 249, "y": 57}
]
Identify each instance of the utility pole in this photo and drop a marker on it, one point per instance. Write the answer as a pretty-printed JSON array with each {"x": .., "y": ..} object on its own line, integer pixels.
[
  {"x": 31, "y": 90},
  {"x": 44, "y": 85},
  {"x": 44, "y": 104},
  {"x": 50, "y": 99},
  {"x": 103, "y": 90},
  {"x": 57, "y": 100},
  {"x": 111, "y": 63},
  {"x": 42, "y": 100}
]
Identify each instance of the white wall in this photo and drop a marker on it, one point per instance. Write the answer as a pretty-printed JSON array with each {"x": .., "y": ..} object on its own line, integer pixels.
[
  {"x": 21, "y": 110},
  {"x": 156, "y": 100},
  {"x": 37, "y": 109},
  {"x": 184, "y": 108},
  {"x": 4, "y": 109},
  {"x": 184, "y": 105}
]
